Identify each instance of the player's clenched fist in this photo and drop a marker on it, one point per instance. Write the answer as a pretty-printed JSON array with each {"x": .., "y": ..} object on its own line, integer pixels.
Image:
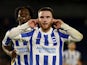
[{"x": 33, "y": 23}]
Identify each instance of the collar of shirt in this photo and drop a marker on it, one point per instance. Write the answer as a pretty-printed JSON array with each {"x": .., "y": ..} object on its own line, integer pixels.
[
  {"x": 49, "y": 32},
  {"x": 71, "y": 52}
]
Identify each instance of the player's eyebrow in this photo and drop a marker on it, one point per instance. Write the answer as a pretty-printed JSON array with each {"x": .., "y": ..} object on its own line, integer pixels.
[
  {"x": 47, "y": 16},
  {"x": 43, "y": 16}
]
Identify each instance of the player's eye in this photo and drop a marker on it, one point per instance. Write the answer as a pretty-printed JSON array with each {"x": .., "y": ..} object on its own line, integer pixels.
[
  {"x": 41, "y": 17},
  {"x": 47, "y": 16}
]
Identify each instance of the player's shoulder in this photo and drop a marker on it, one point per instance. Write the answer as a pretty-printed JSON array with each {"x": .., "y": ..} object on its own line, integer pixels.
[
  {"x": 78, "y": 52},
  {"x": 7, "y": 32},
  {"x": 65, "y": 51}
]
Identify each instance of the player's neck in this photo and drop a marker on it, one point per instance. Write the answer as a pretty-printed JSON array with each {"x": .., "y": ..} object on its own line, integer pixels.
[
  {"x": 71, "y": 50},
  {"x": 45, "y": 30}
]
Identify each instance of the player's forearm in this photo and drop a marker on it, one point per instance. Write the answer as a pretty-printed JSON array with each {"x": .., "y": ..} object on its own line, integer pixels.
[
  {"x": 11, "y": 53},
  {"x": 17, "y": 30},
  {"x": 6, "y": 50},
  {"x": 76, "y": 35}
]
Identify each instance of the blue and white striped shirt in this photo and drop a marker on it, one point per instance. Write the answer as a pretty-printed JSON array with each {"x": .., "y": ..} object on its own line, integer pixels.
[
  {"x": 45, "y": 48},
  {"x": 71, "y": 57},
  {"x": 21, "y": 47}
]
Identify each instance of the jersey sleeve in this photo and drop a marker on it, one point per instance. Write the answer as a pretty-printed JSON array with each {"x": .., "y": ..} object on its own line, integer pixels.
[
  {"x": 74, "y": 34},
  {"x": 6, "y": 41},
  {"x": 18, "y": 30}
]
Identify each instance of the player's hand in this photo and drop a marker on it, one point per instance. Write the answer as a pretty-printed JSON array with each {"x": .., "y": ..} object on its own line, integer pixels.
[
  {"x": 57, "y": 23},
  {"x": 13, "y": 53},
  {"x": 33, "y": 23}
]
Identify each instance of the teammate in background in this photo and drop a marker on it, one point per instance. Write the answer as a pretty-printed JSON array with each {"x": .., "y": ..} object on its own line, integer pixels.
[
  {"x": 20, "y": 52},
  {"x": 46, "y": 43},
  {"x": 71, "y": 56}
]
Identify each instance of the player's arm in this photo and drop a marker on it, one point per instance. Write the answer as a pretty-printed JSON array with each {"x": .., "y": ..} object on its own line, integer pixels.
[
  {"x": 7, "y": 47},
  {"x": 11, "y": 53},
  {"x": 20, "y": 29},
  {"x": 74, "y": 34}
]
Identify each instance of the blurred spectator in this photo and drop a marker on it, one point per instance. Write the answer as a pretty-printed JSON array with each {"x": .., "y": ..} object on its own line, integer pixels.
[{"x": 71, "y": 56}]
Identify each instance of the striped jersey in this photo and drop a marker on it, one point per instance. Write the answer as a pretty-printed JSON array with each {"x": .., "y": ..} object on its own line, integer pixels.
[
  {"x": 45, "y": 48},
  {"x": 21, "y": 47},
  {"x": 71, "y": 58}
]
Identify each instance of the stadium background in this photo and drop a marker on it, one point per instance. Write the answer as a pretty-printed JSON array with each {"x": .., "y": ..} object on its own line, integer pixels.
[{"x": 72, "y": 12}]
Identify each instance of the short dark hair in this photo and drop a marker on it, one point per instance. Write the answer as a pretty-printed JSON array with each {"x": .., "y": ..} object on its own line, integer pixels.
[
  {"x": 68, "y": 42},
  {"x": 24, "y": 7},
  {"x": 46, "y": 9}
]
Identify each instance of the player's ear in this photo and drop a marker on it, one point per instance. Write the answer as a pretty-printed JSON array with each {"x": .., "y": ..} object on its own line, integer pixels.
[
  {"x": 18, "y": 19},
  {"x": 37, "y": 20},
  {"x": 52, "y": 20}
]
